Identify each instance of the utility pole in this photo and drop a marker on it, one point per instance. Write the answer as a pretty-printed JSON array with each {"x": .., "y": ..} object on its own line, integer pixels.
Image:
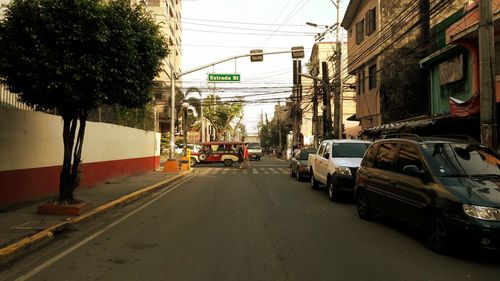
[
  {"x": 279, "y": 128},
  {"x": 338, "y": 94},
  {"x": 489, "y": 128},
  {"x": 299, "y": 103},
  {"x": 315, "y": 113},
  {"x": 327, "y": 105}
]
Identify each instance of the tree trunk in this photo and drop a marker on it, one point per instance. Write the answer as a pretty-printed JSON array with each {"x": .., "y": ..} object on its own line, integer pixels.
[{"x": 70, "y": 172}]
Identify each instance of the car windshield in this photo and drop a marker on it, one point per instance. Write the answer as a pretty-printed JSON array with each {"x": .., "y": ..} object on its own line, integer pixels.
[
  {"x": 254, "y": 145},
  {"x": 452, "y": 159},
  {"x": 350, "y": 150},
  {"x": 304, "y": 154}
]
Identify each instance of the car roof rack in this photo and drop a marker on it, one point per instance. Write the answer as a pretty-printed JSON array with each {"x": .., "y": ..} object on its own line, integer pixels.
[
  {"x": 456, "y": 136},
  {"x": 402, "y": 136}
]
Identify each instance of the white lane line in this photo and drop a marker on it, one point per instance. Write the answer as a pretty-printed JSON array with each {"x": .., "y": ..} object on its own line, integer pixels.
[{"x": 93, "y": 236}]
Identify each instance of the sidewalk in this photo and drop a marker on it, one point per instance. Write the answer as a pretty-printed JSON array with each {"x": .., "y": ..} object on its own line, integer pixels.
[{"x": 22, "y": 230}]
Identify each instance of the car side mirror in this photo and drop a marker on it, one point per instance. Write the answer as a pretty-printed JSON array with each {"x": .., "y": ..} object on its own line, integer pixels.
[{"x": 413, "y": 170}]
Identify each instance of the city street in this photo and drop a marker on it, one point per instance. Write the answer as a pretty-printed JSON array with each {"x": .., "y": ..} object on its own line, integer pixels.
[{"x": 257, "y": 224}]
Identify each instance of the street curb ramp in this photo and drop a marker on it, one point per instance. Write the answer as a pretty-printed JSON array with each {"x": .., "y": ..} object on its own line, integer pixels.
[{"x": 21, "y": 248}]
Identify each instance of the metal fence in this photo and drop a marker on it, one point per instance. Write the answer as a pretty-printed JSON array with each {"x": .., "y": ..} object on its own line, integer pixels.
[
  {"x": 8, "y": 99},
  {"x": 143, "y": 119}
]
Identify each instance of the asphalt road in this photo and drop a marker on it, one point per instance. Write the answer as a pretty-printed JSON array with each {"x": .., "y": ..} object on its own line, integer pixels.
[{"x": 258, "y": 224}]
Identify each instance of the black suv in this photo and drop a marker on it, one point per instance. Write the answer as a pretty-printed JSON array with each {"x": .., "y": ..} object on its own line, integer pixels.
[{"x": 449, "y": 187}]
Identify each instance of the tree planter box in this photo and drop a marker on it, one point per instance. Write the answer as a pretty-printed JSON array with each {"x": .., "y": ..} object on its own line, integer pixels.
[{"x": 67, "y": 209}]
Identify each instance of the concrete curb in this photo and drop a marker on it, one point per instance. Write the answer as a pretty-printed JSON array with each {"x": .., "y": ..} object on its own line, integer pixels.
[{"x": 18, "y": 249}]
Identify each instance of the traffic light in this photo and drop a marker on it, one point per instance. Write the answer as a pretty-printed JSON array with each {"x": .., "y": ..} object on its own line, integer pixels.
[
  {"x": 297, "y": 52},
  {"x": 256, "y": 55}
]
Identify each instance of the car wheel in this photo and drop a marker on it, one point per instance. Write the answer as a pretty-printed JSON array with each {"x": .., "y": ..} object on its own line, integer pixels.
[
  {"x": 192, "y": 162},
  {"x": 299, "y": 177},
  {"x": 314, "y": 182},
  {"x": 333, "y": 193},
  {"x": 228, "y": 162},
  {"x": 436, "y": 234},
  {"x": 364, "y": 210}
]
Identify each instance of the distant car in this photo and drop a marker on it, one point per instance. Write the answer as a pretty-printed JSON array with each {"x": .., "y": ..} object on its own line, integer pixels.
[
  {"x": 254, "y": 150},
  {"x": 449, "y": 187},
  {"x": 298, "y": 163}
]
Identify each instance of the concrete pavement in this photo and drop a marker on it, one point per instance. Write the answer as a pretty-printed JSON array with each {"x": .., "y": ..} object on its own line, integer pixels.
[{"x": 22, "y": 230}]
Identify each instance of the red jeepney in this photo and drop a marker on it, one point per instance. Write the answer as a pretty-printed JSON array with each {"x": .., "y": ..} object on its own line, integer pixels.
[{"x": 225, "y": 152}]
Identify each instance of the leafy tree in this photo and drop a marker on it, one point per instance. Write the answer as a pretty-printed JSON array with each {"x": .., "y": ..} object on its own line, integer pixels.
[
  {"x": 75, "y": 56},
  {"x": 221, "y": 114}
]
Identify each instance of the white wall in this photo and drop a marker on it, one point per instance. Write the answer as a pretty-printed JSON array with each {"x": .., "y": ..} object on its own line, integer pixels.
[{"x": 32, "y": 139}]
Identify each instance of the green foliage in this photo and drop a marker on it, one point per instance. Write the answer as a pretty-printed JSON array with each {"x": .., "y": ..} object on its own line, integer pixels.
[
  {"x": 221, "y": 114},
  {"x": 77, "y": 55},
  {"x": 165, "y": 142},
  {"x": 269, "y": 133}
]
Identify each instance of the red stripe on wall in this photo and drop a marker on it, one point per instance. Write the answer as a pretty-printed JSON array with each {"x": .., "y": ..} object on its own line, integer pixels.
[{"x": 17, "y": 186}]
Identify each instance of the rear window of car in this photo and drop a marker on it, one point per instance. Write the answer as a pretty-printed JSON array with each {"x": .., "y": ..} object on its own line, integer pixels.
[
  {"x": 385, "y": 155},
  {"x": 350, "y": 150},
  {"x": 369, "y": 157},
  {"x": 304, "y": 154}
]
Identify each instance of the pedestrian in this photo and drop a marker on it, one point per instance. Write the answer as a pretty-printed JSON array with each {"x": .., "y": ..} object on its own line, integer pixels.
[
  {"x": 240, "y": 155},
  {"x": 246, "y": 160}
]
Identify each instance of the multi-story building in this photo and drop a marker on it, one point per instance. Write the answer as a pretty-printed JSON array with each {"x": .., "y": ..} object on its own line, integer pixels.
[
  {"x": 386, "y": 41},
  {"x": 167, "y": 14},
  {"x": 327, "y": 52}
]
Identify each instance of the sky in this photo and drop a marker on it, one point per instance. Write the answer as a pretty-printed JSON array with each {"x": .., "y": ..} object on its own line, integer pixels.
[{"x": 216, "y": 30}]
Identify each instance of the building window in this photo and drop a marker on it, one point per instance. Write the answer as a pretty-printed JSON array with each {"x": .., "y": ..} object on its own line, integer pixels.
[
  {"x": 360, "y": 31},
  {"x": 372, "y": 77},
  {"x": 371, "y": 21},
  {"x": 361, "y": 82}
]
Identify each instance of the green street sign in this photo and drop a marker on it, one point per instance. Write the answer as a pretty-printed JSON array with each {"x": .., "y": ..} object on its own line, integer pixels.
[{"x": 223, "y": 77}]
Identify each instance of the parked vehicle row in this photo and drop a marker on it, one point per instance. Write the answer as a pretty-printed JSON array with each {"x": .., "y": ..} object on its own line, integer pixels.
[
  {"x": 448, "y": 187},
  {"x": 335, "y": 165},
  {"x": 299, "y": 167}
]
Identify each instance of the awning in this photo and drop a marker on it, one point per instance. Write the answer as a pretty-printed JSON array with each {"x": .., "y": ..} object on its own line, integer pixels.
[
  {"x": 352, "y": 118},
  {"x": 428, "y": 126},
  {"x": 408, "y": 126}
]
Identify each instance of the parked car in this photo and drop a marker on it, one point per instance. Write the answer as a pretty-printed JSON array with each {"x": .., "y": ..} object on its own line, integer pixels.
[
  {"x": 335, "y": 165},
  {"x": 254, "y": 151},
  {"x": 298, "y": 163},
  {"x": 216, "y": 152},
  {"x": 448, "y": 187}
]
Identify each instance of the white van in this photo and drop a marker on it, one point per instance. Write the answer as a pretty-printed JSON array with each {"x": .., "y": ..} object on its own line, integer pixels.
[{"x": 254, "y": 151}]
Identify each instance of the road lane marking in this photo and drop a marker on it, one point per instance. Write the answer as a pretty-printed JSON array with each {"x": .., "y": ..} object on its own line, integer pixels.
[{"x": 95, "y": 235}]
